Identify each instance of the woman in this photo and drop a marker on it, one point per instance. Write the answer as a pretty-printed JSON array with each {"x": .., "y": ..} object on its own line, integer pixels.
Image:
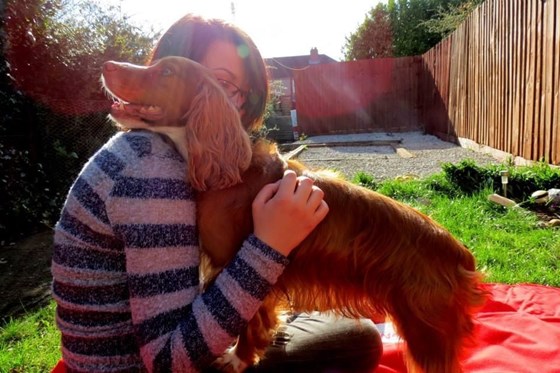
[{"x": 126, "y": 256}]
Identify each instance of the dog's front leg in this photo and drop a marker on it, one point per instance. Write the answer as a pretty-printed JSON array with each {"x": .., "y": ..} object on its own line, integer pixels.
[
  {"x": 242, "y": 354},
  {"x": 253, "y": 340},
  {"x": 229, "y": 362}
]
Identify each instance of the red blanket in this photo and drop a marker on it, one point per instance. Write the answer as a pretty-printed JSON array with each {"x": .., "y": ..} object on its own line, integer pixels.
[{"x": 518, "y": 332}]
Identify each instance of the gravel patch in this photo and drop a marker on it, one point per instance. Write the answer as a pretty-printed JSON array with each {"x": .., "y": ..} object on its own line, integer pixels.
[{"x": 383, "y": 161}]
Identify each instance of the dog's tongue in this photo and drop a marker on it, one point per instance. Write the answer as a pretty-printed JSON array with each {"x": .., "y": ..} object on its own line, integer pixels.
[{"x": 147, "y": 112}]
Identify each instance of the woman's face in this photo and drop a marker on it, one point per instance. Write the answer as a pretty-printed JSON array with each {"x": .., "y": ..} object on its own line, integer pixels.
[{"x": 223, "y": 58}]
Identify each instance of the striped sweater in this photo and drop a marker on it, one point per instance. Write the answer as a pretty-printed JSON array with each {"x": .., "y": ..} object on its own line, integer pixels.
[{"x": 126, "y": 267}]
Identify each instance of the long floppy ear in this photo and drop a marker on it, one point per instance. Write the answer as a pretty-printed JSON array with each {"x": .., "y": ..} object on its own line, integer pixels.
[{"x": 219, "y": 148}]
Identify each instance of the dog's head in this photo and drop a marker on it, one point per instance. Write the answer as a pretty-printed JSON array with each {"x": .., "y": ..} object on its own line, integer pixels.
[{"x": 182, "y": 99}]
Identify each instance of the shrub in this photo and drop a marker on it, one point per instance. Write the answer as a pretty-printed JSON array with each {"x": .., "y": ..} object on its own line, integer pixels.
[
  {"x": 468, "y": 177},
  {"x": 363, "y": 179},
  {"x": 32, "y": 197},
  {"x": 26, "y": 193},
  {"x": 523, "y": 180}
]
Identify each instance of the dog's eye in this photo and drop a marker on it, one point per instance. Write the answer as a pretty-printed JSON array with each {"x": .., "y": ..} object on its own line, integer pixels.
[{"x": 166, "y": 71}]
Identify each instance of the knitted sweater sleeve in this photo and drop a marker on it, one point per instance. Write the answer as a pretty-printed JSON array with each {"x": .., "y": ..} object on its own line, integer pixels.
[{"x": 126, "y": 267}]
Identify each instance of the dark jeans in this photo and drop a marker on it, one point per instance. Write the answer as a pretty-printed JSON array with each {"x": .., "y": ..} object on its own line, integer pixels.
[{"x": 323, "y": 343}]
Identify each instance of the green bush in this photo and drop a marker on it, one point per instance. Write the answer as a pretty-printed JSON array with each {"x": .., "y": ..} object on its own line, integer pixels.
[
  {"x": 523, "y": 181},
  {"x": 32, "y": 199},
  {"x": 466, "y": 178},
  {"x": 363, "y": 179},
  {"x": 26, "y": 193},
  {"x": 470, "y": 178}
]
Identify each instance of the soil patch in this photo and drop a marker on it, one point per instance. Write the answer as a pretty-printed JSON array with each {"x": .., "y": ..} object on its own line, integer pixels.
[{"x": 25, "y": 275}]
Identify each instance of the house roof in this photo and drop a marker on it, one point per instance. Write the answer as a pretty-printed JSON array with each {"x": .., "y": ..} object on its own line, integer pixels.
[{"x": 282, "y": 67}]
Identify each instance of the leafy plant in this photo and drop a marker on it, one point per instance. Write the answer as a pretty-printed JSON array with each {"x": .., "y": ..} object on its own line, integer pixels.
[
  {"x": 33, "y": 198},
  {"x": 52, "y": 54},
  {"x": 523, "y": 181},
  {"x": 405, "y": 27},
  {"x": 467, "y": 176},
  {"x": 373, "y": 38},
  {"x": 450, "y": 17},
  {"x": 26, "y": 194},
  {"x": 366, "y": 180},
  {"x": 470, "y": 178},
  {"x": 55, "y": 48}
]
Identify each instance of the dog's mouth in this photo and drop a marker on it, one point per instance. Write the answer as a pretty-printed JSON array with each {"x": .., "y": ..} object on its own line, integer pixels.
[{"x": 146, "y": 113}]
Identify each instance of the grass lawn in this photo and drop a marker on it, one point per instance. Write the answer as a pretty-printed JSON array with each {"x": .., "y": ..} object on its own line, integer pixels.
[
  {"x": 30, "y": 344},
  {"x": 508, "y": 243}
]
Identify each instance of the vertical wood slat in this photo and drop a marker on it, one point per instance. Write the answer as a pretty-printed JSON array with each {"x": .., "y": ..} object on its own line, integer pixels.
[
  {"x": 522, "y": 48},
  {"x": 482, "y": 89},
  {"x": 530, "y": 113},
  {"x": 477, "y": 68},
  {"x": 486, "y": 94},
  {"x": 554, "y": 9},
  {"x": 499, "y": 67},
  {"x": 496, "y": 58},
  {"x": 492, "y": 75},
  {"x": 471, "y": 77},
  {"x": 548, "y": 82},
  {"x": 508, "y": 46},
  {"x": 537, "y": 139},
  {"x": 516, "y": 84}
]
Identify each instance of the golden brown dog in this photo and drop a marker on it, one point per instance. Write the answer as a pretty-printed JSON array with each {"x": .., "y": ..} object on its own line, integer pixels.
[{"x": 371, "y": 257}]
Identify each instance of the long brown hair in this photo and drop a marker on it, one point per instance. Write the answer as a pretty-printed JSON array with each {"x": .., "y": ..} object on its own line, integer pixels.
[{"x": 190, "y": 37}]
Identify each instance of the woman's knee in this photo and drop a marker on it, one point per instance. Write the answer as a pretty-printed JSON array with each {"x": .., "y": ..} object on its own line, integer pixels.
[{"x": 320, "y": 342}]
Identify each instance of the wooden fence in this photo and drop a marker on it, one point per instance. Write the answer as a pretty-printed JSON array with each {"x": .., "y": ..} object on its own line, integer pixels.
[
  {"x": 495, "y": 81},
  {"x": 358, "y": 96}
]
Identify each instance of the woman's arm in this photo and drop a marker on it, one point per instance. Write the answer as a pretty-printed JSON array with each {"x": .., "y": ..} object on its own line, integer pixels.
[{"x": 181, "y": 329}]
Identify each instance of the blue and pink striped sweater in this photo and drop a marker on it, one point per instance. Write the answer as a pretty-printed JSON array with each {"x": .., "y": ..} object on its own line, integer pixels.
[{"x": 126, "y": 267}]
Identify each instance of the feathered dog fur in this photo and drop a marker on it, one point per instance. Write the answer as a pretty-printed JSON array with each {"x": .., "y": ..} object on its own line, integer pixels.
[
  {"x": 371, "y": 256},
  {"x": 181, "y": 98}
]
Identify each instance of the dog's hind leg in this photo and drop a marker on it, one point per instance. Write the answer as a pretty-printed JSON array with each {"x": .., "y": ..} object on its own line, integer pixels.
[{"x": 436, "y": 339}]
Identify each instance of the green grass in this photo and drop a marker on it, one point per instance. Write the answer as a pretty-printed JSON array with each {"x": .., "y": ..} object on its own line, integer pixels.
[
  {"x": 31, "y": 343},
  {"x": 508, "y": 244}
]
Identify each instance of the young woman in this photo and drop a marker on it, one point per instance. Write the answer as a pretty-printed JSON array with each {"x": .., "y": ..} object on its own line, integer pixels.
[{"x": 126, "y": 256}]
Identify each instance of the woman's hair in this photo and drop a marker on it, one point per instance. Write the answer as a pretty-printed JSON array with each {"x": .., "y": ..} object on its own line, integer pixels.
[{"x": 191, "y": 36}]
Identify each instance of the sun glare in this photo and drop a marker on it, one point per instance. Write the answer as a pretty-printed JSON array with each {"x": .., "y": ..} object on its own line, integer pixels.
[{"x": 286, "y": 28}]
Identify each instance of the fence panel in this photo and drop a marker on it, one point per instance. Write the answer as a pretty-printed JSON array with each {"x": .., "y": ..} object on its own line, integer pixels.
[
  {"x": 358, "y": 96},
  {"x": 503, "y": 86}
]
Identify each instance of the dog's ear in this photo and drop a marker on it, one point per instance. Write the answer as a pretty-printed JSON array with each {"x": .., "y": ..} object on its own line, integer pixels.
[{"x": 218, "y": 146}]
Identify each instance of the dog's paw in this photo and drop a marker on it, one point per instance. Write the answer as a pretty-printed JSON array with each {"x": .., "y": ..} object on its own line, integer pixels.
[{"x": 229, "y": 362}]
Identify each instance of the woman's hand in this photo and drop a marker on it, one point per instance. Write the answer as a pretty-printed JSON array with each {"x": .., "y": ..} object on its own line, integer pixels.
[{"x": 285, "y": 212}]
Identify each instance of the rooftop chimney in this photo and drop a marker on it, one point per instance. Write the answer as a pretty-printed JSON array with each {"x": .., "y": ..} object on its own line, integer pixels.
[{"x": 314, "y": 56}]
